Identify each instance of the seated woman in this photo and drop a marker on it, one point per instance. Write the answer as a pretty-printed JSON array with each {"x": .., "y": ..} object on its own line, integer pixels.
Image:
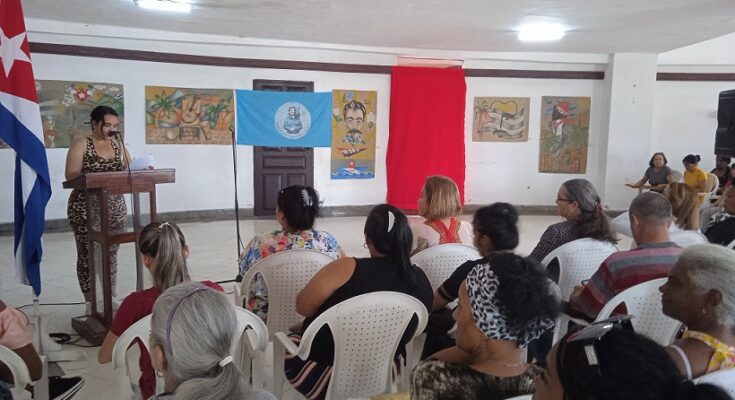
[
  {"x": 495, "y": 232},
  {"x": 15, "y": 334},
  {"x": 606, "y": 362},
  {"x": 700, "y": 292},
  {"x": 441, "y": 207},
  {"x": 192, "y": 329},
  {"x": 297, "y": 208},
  {"x": 684, "y": 206},
  {"x": 720, "y": 228},
  {"x": 694, "y": 176},
  {"x": 164, "y": 252},
  {"x": 388, "y": 239},
  {"x": 658, "y": 174},
  {"x": 504, "y": 304},
  {"x": 579, "y": 204},
  {"x": 723, "y": 172}
]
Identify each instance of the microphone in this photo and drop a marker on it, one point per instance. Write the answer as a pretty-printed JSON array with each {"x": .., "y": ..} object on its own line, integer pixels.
[{"x": 116, "y": 134}]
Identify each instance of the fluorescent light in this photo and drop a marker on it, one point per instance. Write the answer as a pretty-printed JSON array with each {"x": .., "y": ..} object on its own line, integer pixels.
[
  {"x": 541, "y": 32},
  {"x": 164, "y": 5}
]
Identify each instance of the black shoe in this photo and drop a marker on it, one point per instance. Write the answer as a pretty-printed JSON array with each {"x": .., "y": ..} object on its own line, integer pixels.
[{"x": 61, "y": 388}]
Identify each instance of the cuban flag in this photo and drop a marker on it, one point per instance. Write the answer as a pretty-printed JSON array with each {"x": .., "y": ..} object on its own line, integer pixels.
[
  {"x": 284, "y": 119},
  {"x": 20, "y": 128}
]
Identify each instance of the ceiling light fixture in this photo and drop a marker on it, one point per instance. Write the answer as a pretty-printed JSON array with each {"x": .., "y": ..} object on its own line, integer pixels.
[
  {"x": 164, "y": 5},
  {"x": 541, "y": 32}
]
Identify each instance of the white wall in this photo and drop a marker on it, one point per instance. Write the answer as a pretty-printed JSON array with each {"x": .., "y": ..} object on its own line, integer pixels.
[{"x": 683, "y": 120}]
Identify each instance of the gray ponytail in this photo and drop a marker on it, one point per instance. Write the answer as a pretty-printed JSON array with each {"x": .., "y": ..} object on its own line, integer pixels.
[{"x": 195, "y": 326}]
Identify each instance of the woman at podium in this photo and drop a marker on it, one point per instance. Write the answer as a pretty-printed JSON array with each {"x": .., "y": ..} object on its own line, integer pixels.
[{"x": 98, "y": 152}]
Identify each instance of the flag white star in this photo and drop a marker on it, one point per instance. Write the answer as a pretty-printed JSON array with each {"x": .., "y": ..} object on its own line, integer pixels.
[{"x": 10, "y": 50}]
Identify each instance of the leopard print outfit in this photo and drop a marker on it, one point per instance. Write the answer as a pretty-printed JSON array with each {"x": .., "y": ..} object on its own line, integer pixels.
[{"x": 77, "y": 213}]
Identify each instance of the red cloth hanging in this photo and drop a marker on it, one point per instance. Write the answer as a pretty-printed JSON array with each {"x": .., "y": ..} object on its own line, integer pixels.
[{"x": 427, "y": 112}]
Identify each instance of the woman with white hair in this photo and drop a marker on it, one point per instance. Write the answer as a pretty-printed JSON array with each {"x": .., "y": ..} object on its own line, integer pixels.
[
  {"x": 192, "y": 329},
  {"x": 700, "y": 292}
]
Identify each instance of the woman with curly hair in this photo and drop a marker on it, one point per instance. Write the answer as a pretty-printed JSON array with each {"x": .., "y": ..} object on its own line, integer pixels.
[{"x": 504, "y": 304}]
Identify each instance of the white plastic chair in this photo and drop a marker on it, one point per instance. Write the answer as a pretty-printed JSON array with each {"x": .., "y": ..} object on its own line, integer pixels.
[
  {"x": 643, "y": 301},
  {"x": 285, "y": 274},
  {"x": 19, "y": 370},
  {"x": 366, "y": 331},
  {"x": 438, "y": 262},
  {"x": 676, "y": 176},
  {"x": 141, "y": 330},
  {"x": 250, "y": 345},
  {"x": 731, "y": 245},
  {"x": 724, "y": 379},
  {"x": 577, "y": 260},
  {"x": 524, "y": 397},
  {"x": 687, "y": 238}
]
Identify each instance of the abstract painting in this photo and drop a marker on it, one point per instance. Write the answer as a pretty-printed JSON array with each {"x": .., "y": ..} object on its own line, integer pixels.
[
  {"x": 500, "y": 119},
  {"x": 189, "y": 116},
  {"x": 353, "y": 134},
  {"x": 65, "y": 108},
  {"x": 565, "y": 125}
]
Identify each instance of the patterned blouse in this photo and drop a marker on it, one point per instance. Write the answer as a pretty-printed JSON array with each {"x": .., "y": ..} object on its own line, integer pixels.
[
  {"x": 439, "y": 380},
  {"x": 554, "y": 236},
  {"x": 271, "y": 243}
]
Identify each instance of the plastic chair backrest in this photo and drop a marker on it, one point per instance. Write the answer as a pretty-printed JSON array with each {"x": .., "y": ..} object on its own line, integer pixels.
[
  {"x": 249, "y": 346},
  {"x": 524, "y": 397},
  {"x": 687, "y": 238},
  {"x": 731, "y": 245},
  {"x": 285, "y": 274},
  {"x": 643, "y": 301},
  {"x": 677, "y": 176},
  {"x": 139, "y": 330},
  {"x": 438, "y": 262},
  {"x": 18, "y": 369},
  {"x": 723, "y": 378},
  {"x": 578, "y": 260},
  {"x": 366, "y": 330}
]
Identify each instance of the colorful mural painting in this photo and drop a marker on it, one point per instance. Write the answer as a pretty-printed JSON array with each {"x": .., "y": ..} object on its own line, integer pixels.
[
  {"x": 500, "y": 119},
  {"x": 353, "y": 134},
  {"x": 565, "y": 123},
  {"x": 65, "y": 108},
  {"x": 189, "y": 116}
]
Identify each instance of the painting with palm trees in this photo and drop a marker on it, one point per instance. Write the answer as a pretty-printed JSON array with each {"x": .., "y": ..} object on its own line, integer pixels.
[{"x": 189, "y": 116}]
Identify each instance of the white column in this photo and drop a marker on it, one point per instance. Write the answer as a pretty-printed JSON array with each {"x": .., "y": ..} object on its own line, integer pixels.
[{"x": 630, "y": 82}]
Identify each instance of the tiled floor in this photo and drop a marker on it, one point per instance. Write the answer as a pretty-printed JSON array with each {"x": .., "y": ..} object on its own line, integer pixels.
[{"x": 213, "y": 256}]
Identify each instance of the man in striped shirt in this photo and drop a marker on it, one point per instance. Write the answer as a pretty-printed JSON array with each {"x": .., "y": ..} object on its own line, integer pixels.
[{"x": 650, "y": 217}]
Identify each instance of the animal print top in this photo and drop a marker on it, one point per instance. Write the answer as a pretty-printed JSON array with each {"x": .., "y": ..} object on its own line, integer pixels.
[{"x": 92, "y": 162}]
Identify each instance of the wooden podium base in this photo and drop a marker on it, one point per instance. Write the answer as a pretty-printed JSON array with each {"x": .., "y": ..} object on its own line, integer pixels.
[{"x": 90, "y": 329}]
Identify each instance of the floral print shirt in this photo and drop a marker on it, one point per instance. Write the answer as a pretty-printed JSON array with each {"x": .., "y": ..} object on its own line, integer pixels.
[{"x": 271, "y": 243}]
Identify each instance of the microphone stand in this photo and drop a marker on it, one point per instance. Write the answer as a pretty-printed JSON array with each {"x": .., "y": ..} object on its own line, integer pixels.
[{"x": 240, "y": 246}]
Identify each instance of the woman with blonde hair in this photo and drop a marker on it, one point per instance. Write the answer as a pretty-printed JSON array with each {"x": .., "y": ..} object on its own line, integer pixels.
[
  {"x": 441, "y": 207},
  {"x": 164, "y": 252},
  {"x": 684, "y": 205}
]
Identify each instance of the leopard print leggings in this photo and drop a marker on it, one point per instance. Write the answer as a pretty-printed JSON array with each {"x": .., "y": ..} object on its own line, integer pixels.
[{"x": 77, "y": 213}]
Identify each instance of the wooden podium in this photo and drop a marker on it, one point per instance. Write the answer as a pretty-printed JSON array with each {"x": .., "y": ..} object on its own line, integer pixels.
[{"x": 101, "y": 185}]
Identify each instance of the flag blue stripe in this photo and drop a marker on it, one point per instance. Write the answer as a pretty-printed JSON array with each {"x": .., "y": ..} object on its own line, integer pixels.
[{"x": 29, "y": 217}]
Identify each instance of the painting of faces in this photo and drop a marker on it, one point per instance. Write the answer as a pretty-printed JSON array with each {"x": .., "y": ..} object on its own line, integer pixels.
[{"x": 353, "y": 134}]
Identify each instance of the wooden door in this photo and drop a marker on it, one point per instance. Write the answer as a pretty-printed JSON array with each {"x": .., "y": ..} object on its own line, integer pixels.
[{"x": 277, "y": 167}]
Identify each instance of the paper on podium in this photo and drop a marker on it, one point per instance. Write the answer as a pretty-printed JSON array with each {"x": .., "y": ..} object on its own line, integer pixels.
[{"x": 142, "y": 162}]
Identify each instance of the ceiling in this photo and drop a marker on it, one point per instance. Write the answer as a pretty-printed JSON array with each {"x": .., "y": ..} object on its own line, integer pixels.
[{"x": 598, "y": 26}]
